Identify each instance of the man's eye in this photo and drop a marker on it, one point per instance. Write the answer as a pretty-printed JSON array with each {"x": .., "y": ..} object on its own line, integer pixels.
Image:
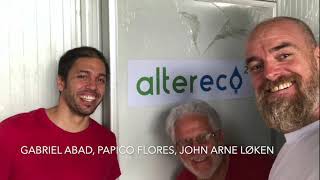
[
  {"x": 81, "y": 76},
  {"x": 201, "y": 139},
  {"x": 187, "y": 142},
  {"x": 102, "y": 80},
  {"x": 283, "y": 56},
  {"x": 255, "y": 67}
]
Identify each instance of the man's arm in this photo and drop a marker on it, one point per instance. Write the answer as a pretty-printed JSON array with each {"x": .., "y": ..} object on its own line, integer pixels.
[{"x": 6, "y": 155}]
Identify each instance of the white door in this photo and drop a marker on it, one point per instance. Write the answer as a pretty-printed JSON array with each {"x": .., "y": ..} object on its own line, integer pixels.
[{"x": 147, "y": 34}]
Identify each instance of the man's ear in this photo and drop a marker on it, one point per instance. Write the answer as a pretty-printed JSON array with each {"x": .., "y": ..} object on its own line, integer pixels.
[
  {"x": 221, "y": 136},
  {"x": 316, "y": 54},
  {"x": 60, "y": 83}
]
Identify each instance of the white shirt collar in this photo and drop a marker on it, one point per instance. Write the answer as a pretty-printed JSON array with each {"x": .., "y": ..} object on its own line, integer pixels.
[{"x": 302, "y": 132}]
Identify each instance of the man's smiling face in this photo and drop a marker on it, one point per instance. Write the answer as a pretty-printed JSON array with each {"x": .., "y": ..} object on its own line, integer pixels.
[
  {"x": 284, "y": 73},
  {"x": 85, "y": 86},
  {"x": 194, "y": 130}
]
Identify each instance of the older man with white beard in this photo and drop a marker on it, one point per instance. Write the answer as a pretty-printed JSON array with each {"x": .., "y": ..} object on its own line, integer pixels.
[
  {"x": 197, "y": 125},
  {"x": 282, "y": 57}
]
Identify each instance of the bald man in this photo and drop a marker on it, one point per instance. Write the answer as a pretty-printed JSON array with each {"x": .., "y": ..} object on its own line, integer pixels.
[{"x": 282, "y": 57}]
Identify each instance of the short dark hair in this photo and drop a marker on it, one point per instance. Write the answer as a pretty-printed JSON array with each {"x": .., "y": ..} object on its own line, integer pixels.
[
  {"x": 304, "y": 27},
  {"x": 70, "y": 57}
]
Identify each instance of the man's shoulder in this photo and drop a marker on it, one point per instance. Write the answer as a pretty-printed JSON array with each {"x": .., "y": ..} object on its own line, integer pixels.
[
  {"x": 253, "y": 159},
  {"x": 185, "y": 174},
  {"x": 101, "y": 130},
  {"x": 259, "y": 166},
  {"x": 292, "y": 157},
  {"x": 259, "y": 162},
  {"x": 307, "y": 145},
  {"x": 20, "y": 120},
  {"x": 17, "y": 126}
]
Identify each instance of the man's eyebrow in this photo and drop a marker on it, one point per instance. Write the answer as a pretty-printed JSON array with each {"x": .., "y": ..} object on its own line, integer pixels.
[
  {"x": 281, "y": 46},
  {"x": 83, "y": 71},
  {"x": 104, "y": 75},
  {"x": 250, "y": 59},
  {"x": 88, "y": 72}
]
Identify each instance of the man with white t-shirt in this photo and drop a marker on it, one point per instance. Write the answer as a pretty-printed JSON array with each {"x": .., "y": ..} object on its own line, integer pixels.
[{"x": 282, "y": 57}]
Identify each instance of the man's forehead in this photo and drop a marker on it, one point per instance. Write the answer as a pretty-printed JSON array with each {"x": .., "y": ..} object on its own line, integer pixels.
[
  {"x": 192, "y": 122},
  {"x": 277, "y": 29},
  {"x": 270, "y": 42},
  {"x": 273, "y": 36},
  {"x": 89, "y": 61},
  {"x": 88, "y": 64},
  {"x": 193, "y": 118}
]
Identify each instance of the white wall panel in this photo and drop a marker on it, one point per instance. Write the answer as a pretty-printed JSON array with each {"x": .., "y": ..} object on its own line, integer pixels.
[
  {"x": 4, "y": 62},
  {"x": 90, "y": 11},
  {"x": 16, "y": 64},
  {"x": 306, "y": 10},
  {"x": 46, "y": 63},
  {"x": 33, "y": 35},
  {"x": 30, "y": 73}
]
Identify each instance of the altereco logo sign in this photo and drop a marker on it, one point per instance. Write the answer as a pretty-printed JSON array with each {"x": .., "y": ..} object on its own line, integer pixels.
[
  {"x": 181, "y": 84},
  {"x": 157, "y": 82}
]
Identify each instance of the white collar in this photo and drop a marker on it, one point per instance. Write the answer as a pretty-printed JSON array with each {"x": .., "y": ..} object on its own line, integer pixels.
[{"x": 302, "y": 132}]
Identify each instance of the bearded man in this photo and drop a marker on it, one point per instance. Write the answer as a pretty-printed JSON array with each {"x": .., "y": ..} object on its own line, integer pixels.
[{"x": 282, "y": 58}]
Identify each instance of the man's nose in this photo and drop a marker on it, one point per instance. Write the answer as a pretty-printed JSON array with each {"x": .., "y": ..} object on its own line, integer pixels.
[
  {"x": 271, "y": 71},
  {"x": 92, "y": 84},
  {"x": 199, "y": 148}
]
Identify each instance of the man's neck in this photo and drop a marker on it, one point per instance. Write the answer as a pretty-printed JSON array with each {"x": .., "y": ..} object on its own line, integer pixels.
[
  {"x": 315, "y": 117},
  {"x": 221, "y": 172},
  {"x": 64, "y": 118},
  {"x": 316, "y": 114}
]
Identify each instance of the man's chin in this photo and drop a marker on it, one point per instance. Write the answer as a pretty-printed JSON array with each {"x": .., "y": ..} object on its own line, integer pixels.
[
  {"x": 276, "y": 126},
  {"x": 86, "y": 111},
  {"x": 284, "y": 117},
  {"x": 199, "y": 171},
  {"x": 202, "y": 175},
  {"x": 271, "y": 100},
  {"x": 283, "y": 128}
]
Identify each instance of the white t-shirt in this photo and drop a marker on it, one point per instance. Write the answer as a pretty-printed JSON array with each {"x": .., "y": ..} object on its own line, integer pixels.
[{"x": 298, "y": 159}]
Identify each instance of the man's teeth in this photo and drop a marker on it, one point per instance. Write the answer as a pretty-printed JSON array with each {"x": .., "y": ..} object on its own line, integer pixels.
[
  {"x": 281, "y": 86},
  {"x": 199, "y": 159},
  {"x": 88, "y": 98}
]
